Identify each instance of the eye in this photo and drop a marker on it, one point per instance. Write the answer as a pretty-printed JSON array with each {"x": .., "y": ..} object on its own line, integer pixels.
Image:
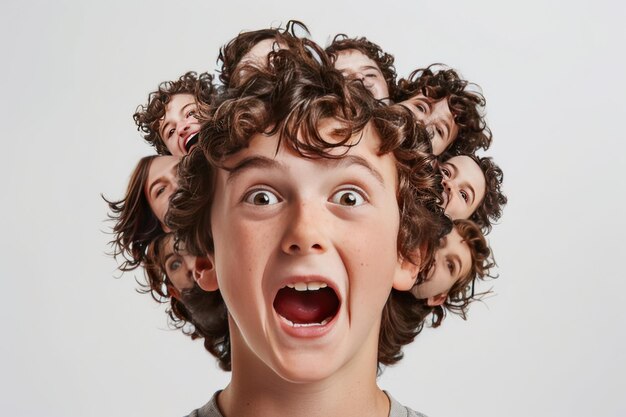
[
  {"x": 445, "y": 172},
  {"x": 450, "y": 266},
  {"x": 160, "y": 191},
  {"x": 175, "y": 265},
  {"x": 420, "y": 107},
  {"x": 170, "y": 133},
  {"x": 439, "y": 132},
  {"x": 191, "y": 113},
  {"x": 464, "y": 195},
  {"x": 350, "y": 198},
  {"x": 261, "y": 198}
]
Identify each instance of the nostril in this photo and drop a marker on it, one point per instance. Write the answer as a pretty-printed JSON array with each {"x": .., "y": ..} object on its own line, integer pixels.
[
  {"x": 316, "y": 246},
  {"x": 294, "y": 248}
]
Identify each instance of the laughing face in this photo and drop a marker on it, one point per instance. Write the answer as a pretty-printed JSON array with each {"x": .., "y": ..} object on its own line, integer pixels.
[
  {"x": 306, "y": 255},
  {"x": 179, "y": 126}
]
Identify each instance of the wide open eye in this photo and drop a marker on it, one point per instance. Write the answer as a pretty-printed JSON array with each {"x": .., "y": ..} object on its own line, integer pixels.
[
  {"x": 261, "y": 198},
  {"x": 174, "y": 265},
  {"x": 349, "y": 197}
]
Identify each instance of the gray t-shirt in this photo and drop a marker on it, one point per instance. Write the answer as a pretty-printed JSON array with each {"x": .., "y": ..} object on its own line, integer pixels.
[{"x": 210, "y": 409}]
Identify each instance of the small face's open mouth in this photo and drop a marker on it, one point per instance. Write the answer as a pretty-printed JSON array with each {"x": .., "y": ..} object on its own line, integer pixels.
[
  {"x": 307, "y": 304},
  {"x": 191, "y": 140}
]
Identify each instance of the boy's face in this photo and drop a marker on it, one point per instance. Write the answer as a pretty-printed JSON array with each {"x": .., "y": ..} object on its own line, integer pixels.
[
  {"x": 355, "y": 64},
  {"x": 463, "y": 186},
  {"x": 437, "y": 118},
  {"x": 306, "y": 254},
  {"x": 452, "y": 261},
  {"x": 161, "y": 184},
  {"x": 179, "y": 266},
  {"x": 179, "y": 125}
]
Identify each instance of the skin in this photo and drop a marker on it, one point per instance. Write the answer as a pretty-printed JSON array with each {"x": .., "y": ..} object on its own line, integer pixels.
[
  {"x": 464, "y": 186},
  {"x": 353, "y": 63},
  {"x": 278, "y": 218},
  {"x": 179, "y": 266},
  {"x": 452, "y": 262},
  {"x": 161, "y": 184},
  {"x": 257, "y": 55},
  {"x": 179, "y": 123},
  {"x": 437, "y": 118}
]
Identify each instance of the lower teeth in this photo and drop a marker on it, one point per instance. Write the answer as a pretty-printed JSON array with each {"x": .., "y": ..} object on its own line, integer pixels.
[{"x": 325, "y": 321}]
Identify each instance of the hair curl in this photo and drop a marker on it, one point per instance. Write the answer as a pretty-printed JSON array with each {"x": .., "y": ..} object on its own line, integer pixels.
[
  {"x": 148, "y": 117},
  {"x": 383, "y": 60},
  {"x": 466, "y": 106},
  {"x": 291, "y": 97},
  {"x": 135, "y": 223},
  {"x": 232, "y": 53}
]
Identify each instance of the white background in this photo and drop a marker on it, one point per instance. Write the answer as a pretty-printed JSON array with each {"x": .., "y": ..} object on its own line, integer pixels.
[{"x": 78, "y": 342}]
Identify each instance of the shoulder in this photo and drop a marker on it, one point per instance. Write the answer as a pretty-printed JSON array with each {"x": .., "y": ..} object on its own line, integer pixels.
[
  {"x": 209, "y": 409},
  {"x": 398, "y": 410}
]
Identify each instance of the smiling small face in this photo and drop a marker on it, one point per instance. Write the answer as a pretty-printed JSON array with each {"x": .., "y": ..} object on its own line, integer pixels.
[
  {"x": 463, "y": 186},
  {"x": 355, "y": 64},
  {"x": 306, "y": 255},
  {"x": 437, "y": 118},
  {"x": 179, "y": 126},
  {"x": 161, "y": 184}
]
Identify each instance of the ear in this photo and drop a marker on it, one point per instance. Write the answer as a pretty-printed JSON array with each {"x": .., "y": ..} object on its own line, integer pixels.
[
  {"x": 406, "y": 272},
  {"x": 437, "y": 300},
  {"x": 204, "y": 273}
]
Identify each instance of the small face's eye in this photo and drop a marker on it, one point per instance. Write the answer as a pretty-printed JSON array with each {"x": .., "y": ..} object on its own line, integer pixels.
[
  {"x": 170, "y": 133},
  {"x": 450, "y": 266},
  {"x": 191, "y": 113},
  {"x": 160, "y": 191},
  {"x": 351, "y": 198},
  {"x": 464, "y": 195},
  {"x": 175, "y": 265},
  {"x": 261, "y": 198},
  {"x": 420, "y": 107},
  {"x": 445, "y": 172}
]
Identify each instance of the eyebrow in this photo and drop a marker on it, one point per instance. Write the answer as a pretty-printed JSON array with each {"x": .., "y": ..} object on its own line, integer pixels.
[
  {"x": 373, "y": 67},
  {"x": 268, "y": 163}
]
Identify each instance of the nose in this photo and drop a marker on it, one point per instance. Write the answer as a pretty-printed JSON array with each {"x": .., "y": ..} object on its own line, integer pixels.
[
  {"x": 190, "y": 265},
  {"x": 305, "y": 232},
  {"x": 182, "y": 127}
]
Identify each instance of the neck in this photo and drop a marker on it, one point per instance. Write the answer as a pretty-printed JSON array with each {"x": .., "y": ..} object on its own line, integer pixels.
[{"x": 256, "y": 389}]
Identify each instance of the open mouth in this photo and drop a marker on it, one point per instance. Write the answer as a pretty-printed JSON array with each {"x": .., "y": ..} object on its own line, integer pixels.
[
  {"x": 305, "y": 304},
  {"x": 191, "y": 140}
]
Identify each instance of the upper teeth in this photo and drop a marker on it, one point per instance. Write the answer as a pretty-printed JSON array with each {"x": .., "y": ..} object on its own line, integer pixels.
[{"x": 307, "y": 286}]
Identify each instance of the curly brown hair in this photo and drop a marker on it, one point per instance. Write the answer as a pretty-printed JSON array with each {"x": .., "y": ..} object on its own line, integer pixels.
[
  {"x": 291, "y": 97},
  {"x": 135, "y": 223},
  {"x": 231, "y": 54},
  {"x": 467, "y": 107},
  {"x": 385, "y": 61},
  {"x": 148, "y": 117}
]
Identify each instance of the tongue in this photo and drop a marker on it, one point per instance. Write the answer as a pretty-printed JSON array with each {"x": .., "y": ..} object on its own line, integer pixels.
[{"x": 306, "y": 306}]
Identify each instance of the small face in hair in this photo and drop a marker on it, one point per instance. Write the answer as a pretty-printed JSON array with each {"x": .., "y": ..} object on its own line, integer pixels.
[
  {"x": 437, "y": 118},
  {"x": 178, "y": 266},
  {"x": 161, "y": 184},
  {"x": 179, "y": 126},
  {"x": 452, "y": 262},
  {"x": 463, "y": 186},
  {"x": 355, "y": 64}
]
